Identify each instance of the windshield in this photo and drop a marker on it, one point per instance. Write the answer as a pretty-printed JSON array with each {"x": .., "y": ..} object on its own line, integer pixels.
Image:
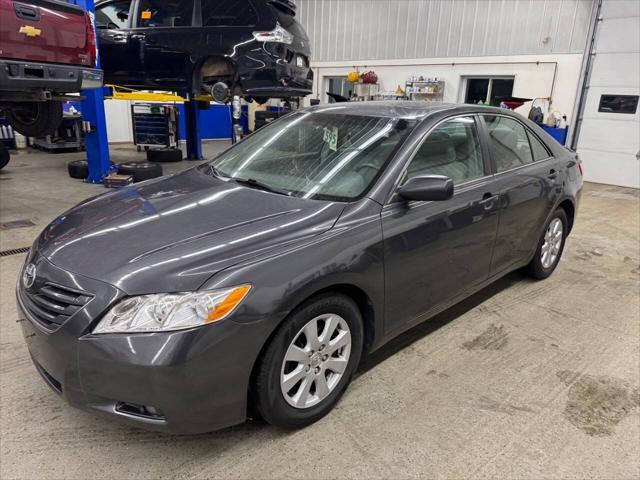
[{"x": 318, "y": 155}]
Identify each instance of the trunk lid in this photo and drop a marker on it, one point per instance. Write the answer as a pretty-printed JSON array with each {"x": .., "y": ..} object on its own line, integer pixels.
[{"x": 47, "y": 31}]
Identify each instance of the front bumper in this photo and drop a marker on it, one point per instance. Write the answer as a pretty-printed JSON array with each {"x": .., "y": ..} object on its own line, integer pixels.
[
  {"x": 26, "y": 76},
  {"x": 194, "y": 380}
]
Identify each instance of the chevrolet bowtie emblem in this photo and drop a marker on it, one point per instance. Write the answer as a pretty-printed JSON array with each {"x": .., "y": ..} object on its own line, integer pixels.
[{"x": 30, "y": 31}]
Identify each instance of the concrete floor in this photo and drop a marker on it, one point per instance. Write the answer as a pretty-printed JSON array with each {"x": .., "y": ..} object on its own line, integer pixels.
[{"x": 523, "y": 380}]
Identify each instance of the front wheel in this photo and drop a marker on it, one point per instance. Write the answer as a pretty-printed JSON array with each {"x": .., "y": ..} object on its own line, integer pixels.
[
  {"x": 550, "y": 246},
  {"x": 310, "y": 361}
]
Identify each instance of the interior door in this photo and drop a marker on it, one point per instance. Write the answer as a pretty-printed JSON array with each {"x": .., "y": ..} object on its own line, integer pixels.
[
  {"x": 436, "y": 251},
  {"x": 113, "y": 24},
  {"x": 529, "y": 182}
]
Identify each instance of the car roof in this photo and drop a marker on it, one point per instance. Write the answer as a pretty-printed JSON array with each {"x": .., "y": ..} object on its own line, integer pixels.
[{"x": 402, "y": 109}]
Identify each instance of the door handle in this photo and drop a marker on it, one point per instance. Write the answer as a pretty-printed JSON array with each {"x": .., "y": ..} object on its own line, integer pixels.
[
  {"x": 488, "y": 200},
  {"x": 552, "y": 174}
]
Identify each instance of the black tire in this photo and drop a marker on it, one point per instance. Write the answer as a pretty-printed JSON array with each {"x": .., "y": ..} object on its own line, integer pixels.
[
  {"x": 164, "y": 155},
  {"x": 140, "y": 171},
  {"x": 80, "y": 169},
  {"x": 536, "y": 268},
  {"x": 35, "y": 119},
  {"x": 267, "y": 393},
  {"x": 5, "y": 156}
]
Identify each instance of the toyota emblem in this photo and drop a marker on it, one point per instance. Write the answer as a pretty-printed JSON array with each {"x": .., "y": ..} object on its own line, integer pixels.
[{"x": 29, "y": 276}]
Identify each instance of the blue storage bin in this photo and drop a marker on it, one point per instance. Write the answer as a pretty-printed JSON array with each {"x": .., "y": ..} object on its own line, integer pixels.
[{"x": 560, "y": 134}]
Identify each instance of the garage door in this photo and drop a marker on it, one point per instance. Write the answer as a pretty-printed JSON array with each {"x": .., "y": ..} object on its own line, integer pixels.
[{"x": 609, "y": 138}]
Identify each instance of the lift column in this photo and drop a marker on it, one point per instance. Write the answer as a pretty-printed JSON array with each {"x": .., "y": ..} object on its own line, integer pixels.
[
  {"x": 192, "y": 135},
  {"x": 96, "y": 141}
]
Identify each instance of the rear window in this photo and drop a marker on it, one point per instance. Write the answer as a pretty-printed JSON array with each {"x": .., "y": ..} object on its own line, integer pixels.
[
  {"x": 219, "y": 13},
  {"x": 160, "y": 13}
]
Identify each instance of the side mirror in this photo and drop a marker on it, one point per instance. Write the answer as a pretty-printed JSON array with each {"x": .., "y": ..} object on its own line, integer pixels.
[{"x": 427, "y": 187}]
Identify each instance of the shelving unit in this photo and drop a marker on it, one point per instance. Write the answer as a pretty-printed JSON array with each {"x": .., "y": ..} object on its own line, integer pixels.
[
  {"x": 67, "y": 137},
  {"x": 429, "y": 90},
  {"x": 154, "y": 125}
]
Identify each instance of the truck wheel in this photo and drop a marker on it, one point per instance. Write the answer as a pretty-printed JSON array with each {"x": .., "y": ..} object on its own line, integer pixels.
[
  {"x": 35, "y": 119},
  {"x": 4, "y": 156},
  {"x": 164, "y": 155},
  {"x": 140, "y": 171}
]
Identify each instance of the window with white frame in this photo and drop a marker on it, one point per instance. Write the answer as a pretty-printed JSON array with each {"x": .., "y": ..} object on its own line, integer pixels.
[{"x": 488, "y": 90}]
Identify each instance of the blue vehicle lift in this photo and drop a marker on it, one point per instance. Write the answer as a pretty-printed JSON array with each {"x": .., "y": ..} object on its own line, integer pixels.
[{"x": 93, "y": 112}]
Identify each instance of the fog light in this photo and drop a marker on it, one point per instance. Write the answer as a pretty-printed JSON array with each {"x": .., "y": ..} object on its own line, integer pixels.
[{"x": 144, "y": 411}]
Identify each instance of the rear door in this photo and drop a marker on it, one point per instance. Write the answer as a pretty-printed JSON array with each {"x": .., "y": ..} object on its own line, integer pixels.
[
  {"x": 436, "y": 251},
  {"x": 529, "y": 183},
  {"x": 118, "y": 59},
  {"x": 165, "y": 37},
  {"x": 44, "y": 31}
]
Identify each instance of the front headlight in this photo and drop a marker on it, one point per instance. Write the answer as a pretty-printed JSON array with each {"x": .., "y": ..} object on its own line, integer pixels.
[{"x": 171, "y": 311}]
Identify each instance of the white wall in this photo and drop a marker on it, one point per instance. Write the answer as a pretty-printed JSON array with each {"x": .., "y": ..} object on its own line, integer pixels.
[
  {"x": 118, "y": 115},
  {"x": 357, "y": 30},
  {"x": 536, "y": 76}
]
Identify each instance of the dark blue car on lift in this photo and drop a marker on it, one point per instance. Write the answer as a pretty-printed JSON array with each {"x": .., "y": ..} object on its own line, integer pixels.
[{"x": 252, "y": 48}]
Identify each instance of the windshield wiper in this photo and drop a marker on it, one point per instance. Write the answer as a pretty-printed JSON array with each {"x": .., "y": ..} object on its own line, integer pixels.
[{"x": 252, "y": 182}]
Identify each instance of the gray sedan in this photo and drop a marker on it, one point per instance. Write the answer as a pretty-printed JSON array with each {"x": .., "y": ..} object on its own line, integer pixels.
[{"x": 258, "y": 279}]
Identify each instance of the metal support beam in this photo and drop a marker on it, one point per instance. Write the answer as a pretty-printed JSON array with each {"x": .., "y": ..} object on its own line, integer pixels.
[
  {"x": 92, "y": 108},
  {"x": 192, "y": 135}
]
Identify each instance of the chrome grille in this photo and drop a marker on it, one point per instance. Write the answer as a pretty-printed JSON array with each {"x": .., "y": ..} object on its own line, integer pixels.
[{"x": 52, "y": 305}]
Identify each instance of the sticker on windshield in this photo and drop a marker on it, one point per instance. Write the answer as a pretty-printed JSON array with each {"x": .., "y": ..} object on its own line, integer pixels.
[{"x": 330, "y": 137}]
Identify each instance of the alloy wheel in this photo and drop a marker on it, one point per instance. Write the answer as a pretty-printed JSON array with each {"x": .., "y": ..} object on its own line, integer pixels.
[
  {"x": 552, "y": 243},
  {"x": 315, "y": 361}
]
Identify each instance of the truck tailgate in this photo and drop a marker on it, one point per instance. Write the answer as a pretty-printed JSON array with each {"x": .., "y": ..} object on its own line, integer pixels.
[{"x": 45, "y": 31}]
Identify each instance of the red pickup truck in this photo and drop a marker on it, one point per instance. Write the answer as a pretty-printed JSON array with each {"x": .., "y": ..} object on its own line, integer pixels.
[{"x": 47, "y": 50}]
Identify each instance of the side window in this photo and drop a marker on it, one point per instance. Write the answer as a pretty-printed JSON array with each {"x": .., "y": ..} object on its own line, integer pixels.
[
  {"x": 219, "y": 13},
  {"x": 113, "y": 15},
  {"x": 451, "y": 149},
  {"x": 157, "y": 13},
  {"x": 508, "y": 143},
  {"x": 539, "y": 151}
]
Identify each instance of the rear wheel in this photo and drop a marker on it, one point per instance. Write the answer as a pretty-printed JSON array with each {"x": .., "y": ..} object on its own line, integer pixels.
[
  {"x": 550, "y": 246},
  {"x": 310, "y": 361},
  {"x": 35, "y": 119}
]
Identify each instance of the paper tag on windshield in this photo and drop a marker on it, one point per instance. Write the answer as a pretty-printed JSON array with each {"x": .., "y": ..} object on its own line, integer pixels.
[
  {"x": 330, "y": 137},
  {"x": 145, "y": 14}
]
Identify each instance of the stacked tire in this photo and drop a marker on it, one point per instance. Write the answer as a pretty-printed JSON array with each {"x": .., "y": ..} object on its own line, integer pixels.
[{"x": 139, "y": 171}]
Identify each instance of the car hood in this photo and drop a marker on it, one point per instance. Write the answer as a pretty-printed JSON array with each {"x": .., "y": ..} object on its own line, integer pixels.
[{"x": 174, "y": 233}]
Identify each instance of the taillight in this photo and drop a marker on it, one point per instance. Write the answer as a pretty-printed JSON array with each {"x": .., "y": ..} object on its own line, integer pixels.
[
  {"x": 580, "y": 166},
  {"x": 93, "y": 46}
]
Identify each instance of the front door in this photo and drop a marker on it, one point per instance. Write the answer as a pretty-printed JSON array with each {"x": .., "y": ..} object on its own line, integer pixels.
[{"x": 436, "y": 251}]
